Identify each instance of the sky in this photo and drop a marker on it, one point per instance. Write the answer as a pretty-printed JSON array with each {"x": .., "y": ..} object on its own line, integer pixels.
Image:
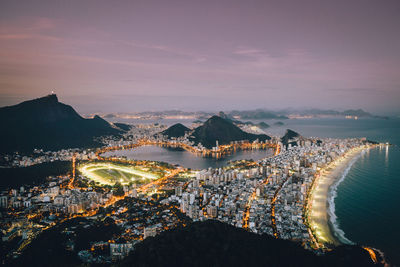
[{"x": 127, "y": 56}]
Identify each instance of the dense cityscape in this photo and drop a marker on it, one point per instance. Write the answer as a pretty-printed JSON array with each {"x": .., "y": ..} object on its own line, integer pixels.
[
  {"x": 270, "y": 196},
  {"x": 199, "y": 133}
]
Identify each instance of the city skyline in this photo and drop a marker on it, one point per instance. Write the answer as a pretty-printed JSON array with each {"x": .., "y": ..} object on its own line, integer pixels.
[
  {"x": 141, "y": 56},
  {"x": 199, "y": 133}
]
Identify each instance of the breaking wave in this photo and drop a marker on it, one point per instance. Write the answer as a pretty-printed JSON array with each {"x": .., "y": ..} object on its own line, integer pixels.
[{"x": 339, "y": 233}]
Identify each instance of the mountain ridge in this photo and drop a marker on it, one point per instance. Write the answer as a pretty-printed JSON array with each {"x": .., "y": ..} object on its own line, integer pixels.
[
  {"x": 49, "y": 124},
  {"x": 223, "y": 131}
]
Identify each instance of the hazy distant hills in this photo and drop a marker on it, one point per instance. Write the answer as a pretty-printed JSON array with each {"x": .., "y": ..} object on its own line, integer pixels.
[
  {"x": 236, "y": 116},
  {"x": 213, "y": 243},
  {"x": 331, "y": 113},
  {"x": 48, "y": 124},
  {"x": 217, "y": 128},
  {"x": 263, "y": 125},
  {"x": 257, "y": 114}
]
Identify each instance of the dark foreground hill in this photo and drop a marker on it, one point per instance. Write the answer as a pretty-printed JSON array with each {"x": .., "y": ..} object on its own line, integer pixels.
[
  {"x": 223, "y": 131},
  {"x": 176, "y": 130},
  {"x": 48, "y": 124},
  {"x": 212, "y": 243},
  {"x": 209, "y": 243}
]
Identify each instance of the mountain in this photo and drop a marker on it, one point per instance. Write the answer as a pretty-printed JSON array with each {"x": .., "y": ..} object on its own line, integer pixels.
[
  {"x": 263, "y": 125},
  {"x": 213, "y": 243},
  {"x": 231, "y": 119},
  {"x": 356, "y": 112},
  {"x": 327, "y": 113},
  {"x": 176, "y": 130},
  {"x": 217, "y": 128},
  {"x": 123, "y": 126},
  {"x": 109, "y": 116},
  {"x": 278, "y": 123},
  {"x": 289, "y": 137},
  {"x": 46, "y": 123}
]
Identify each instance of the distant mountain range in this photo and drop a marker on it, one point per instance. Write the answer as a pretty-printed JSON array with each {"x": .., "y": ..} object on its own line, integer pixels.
[
  {"x": 46, "y": 123},
  {"x": 256, "y": 114},
  {"x": 331, "y": 113}
]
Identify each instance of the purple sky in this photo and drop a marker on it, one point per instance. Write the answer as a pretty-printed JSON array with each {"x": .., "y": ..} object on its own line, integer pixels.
[{"x": 202, "y": 55}]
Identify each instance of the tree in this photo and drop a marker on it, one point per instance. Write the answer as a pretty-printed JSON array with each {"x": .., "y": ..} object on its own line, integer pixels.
[{"x": 118, "y": 189}]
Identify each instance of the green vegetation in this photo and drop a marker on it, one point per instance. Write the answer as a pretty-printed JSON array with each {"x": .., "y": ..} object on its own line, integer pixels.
[{"x": 118, "y": 189}]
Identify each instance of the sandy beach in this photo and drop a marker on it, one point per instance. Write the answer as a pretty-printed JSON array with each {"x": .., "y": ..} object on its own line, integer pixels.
[{"x": 319, "y": 198}]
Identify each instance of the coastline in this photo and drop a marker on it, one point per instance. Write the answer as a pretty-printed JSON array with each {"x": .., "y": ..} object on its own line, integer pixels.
[{"x": 321, "y": 208}]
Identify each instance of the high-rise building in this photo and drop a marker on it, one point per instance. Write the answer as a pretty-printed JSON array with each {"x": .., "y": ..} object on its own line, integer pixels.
[
  {"x": 178, "y": 191},
  {"x": 4, "y": 201}
]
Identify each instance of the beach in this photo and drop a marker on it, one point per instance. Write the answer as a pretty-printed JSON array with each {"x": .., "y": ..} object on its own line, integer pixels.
[{"x": 321, "y": 216}]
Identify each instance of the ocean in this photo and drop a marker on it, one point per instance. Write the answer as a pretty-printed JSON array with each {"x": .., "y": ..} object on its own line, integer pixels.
[
  {"x": 365, "y": 202},
  {"x": 367, "y": 198}
]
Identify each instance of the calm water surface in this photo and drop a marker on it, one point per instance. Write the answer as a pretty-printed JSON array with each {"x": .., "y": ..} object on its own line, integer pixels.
[{"x": 186, "y": 159}]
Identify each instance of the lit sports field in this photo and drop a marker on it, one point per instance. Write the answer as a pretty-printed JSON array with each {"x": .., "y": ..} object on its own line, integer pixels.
[{"x": 110, "y": 173}]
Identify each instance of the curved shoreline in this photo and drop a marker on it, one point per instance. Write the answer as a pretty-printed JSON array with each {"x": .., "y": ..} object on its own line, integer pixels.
[
  {"x": 322, "y": 218},
  {"x": 332, "y": 194}
]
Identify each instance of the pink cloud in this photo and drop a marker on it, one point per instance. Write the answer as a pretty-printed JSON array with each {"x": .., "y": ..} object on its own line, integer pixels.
[{"x": 28, "y": 28}]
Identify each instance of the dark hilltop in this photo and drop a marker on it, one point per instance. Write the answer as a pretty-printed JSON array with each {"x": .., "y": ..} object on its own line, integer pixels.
[
  {"x": 290, "y": 137},
  {"x": 49, "y": 124},
  {"x": 223, "y": 131},
  {"x": 213, "y": 243},
  {"x": 176, "y": 130}
]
